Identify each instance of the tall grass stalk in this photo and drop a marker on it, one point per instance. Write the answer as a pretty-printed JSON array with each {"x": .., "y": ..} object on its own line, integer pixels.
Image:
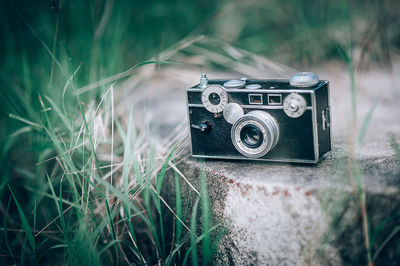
[
  {"x": 354, "y": 165},
  {"x": 355, "y": 172}
]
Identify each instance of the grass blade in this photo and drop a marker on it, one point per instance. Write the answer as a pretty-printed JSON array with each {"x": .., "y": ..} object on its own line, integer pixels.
[
  {"x": 395, "y": 146},
  {"x": 391, "y": 235},
  {"x": 60, "y": 114},
  {"x": 160, "y": 179},
  {"x": 25, "y": 121},
  {"x": 366, "y": 122},
  {"x": 178, "y": 206},
  {"x": 127, "y": 155},
  {"x": 5, "y": 233},
  {"x": 25, "y": 224},
  {"x": 193, "y": 238},
  {"x": 207, "y": 254}
]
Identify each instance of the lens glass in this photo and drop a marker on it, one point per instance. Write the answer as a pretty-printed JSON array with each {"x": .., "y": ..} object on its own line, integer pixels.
[
  {"x": 251, "y": 136},
  {"x": 214, "y": 98}
]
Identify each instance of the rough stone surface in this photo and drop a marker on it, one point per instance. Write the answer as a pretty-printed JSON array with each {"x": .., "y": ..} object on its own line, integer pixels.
[
  {"x": 280, "y": 210},
  {"x": 294, "y": 214}
]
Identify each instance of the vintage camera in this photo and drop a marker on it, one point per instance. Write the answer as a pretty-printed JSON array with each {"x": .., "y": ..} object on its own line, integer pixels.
[{"x": 268, "y": 120}]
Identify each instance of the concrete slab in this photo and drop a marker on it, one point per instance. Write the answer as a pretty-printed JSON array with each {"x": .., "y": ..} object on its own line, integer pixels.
[{"x": 293, "y": 214}]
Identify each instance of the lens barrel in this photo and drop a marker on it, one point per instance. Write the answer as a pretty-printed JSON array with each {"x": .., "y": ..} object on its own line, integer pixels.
[{"x": 255, "y": 134}]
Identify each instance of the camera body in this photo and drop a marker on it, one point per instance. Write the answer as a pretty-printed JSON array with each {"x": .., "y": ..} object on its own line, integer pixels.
[{"x": 268, "y": 120}]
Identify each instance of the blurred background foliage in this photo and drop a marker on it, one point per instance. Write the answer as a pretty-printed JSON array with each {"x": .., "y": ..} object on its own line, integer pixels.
[
  {"x": 105, "y": 37},
  {"x": 109, "y": 36}
]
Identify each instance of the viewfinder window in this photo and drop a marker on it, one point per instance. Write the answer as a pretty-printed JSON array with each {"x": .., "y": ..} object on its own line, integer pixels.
[
  {"x": 255, "y": 99},
  {"x": 274, "y": 99}
]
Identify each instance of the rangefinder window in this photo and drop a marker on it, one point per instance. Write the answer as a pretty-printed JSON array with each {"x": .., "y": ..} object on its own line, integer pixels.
[
  {"x": 274, "y": 99},
  {"x": 255, "y": 99}
]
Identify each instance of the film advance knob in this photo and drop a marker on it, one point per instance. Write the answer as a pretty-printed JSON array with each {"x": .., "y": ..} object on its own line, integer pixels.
[
  {"x": 304, "y": 79},
  {"x": 234, "y": 84},
  {"x": 253, "y": 87}
]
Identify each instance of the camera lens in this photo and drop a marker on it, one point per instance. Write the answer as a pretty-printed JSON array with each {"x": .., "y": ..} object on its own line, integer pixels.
[
  {"x": 214, "y": 98},
  {"x": 255, "y": 134},
  {"x": 251, "y": 136}
]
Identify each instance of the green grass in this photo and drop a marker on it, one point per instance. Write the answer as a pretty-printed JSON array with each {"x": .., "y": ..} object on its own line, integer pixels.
[
  {"x": 85, "y": 216},
  {"x": 60, "y": 203}
]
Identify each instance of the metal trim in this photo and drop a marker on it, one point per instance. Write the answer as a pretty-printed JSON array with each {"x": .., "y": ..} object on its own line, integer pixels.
[
  {"x": 315, "y": 127},
  {"x": 330, "y": 115},
  {"x": 194, "y": 90},
  {"x": 271, "y": 91},
  {"x": 264, "y": 107},
  {"x": 188, "y": 122},
  {"x": 195, "y": 105},
  {"x": 259, "y": 90},
  {"x": 258, "y": 159},
  {"x": 268, "y": 107}
]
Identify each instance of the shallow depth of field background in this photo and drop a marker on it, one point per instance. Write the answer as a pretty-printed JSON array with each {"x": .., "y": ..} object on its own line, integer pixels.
[{"x": 51, "y": 48}]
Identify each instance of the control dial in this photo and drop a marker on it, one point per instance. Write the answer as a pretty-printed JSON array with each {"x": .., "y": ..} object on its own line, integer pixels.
[
  {"x": 235, "y": 83},
  {"x": 294, "y": 105},
  {"x": 304, "y": 79},
  {"x": 253, "y": 86},
  {"x": 214, "y": 98}
]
